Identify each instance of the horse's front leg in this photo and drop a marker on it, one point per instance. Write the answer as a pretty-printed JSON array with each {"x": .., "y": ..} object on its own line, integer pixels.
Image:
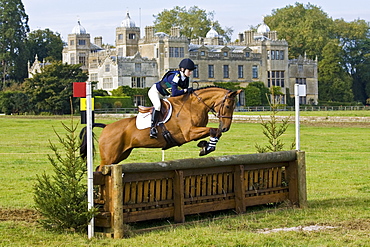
[{"x": 210, "y": 146}]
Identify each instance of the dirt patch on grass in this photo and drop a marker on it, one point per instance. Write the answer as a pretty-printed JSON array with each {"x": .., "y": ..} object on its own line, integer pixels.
[{"x": 28, "y": 215}]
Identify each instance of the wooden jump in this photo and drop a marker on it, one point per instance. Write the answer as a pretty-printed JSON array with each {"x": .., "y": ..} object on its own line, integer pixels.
[{"x": 173, "y": 189}]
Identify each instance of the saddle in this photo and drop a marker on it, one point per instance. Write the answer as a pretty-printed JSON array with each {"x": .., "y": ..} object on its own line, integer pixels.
[
  {"x": 166, "y": 107},
  {"x": 143, "y": 119}
]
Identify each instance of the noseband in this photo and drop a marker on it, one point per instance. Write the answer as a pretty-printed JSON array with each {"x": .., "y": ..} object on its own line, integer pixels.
[{"x": 212, "y": 108}]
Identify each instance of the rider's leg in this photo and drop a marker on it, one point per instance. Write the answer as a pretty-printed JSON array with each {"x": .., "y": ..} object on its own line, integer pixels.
[
  {"x": 153, "y": 129},
  {"x": 155, "y": 97}
]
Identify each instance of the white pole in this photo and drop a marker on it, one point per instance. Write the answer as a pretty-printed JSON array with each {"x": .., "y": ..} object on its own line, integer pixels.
[
  {"x": 89, "y": 160},
  {"x": 162, "y": 155},
  {"x": 297, "y": 134}
]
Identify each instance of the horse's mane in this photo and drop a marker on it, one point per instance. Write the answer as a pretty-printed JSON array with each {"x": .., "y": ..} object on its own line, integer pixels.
[{"x": 207, "y": 87}]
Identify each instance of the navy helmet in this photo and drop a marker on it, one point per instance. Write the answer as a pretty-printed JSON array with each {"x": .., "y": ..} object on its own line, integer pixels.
[{"x": 187, "y": 63}]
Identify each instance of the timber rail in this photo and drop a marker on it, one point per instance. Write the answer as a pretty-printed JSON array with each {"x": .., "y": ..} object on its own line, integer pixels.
[{"x": 173, "y": 189}]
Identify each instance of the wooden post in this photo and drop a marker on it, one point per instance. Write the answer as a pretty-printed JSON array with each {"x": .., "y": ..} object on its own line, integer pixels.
[
  {"x": 178, "y": 189},
  {"x": 239, "y": 189},
  {"x": 301, "y": 173},
  {"x": 296, "y": 175},
  {"x": 117, "y": 201}
]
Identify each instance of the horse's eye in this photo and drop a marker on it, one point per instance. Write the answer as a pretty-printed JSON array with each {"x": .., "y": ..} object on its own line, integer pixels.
[{"x": 227, "y": 106}]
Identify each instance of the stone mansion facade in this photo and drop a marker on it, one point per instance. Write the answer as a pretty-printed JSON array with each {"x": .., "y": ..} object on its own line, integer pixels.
[{"x": 141, "y": 61}]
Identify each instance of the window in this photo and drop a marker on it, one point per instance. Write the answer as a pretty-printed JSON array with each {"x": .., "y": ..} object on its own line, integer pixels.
[
  {"x": 107, "y": 68},
  {"x": 120, "y": 52},
  {"x": 226, "y": 54},
  {"x": 247, "y": 54},
  {"x": 196, "y": 72},
  {"x": 139, "y": 100},
  {"x": 211, "y": 71},
  {"x": 81, "y": 42},
  {"x": 138, "y": 82},
  {"x": 300, "y": 67},
  {"x": 72, "y": 42},
  {"x": 202, "y": 53},
  {"x": 281, "y": 55},
  {"x": 176, "y": 51},
  {"x": 137, "y": 67},
  {"x": 275, "y": 55},
  {"x": 255, "y": 71},
  {"x": 120, "y": 36},
  {"x": 226, "y": 71},
  {"x": 82, "y": 58},
  {"x": 107, "y": 83},
  {"x": 240, "y": 71},
  {"x": 93, "y": 77},
  {"x": 275, "y": 78},
  {"x": 131, "y": 36},
  {"x": 73, "y": 59}
]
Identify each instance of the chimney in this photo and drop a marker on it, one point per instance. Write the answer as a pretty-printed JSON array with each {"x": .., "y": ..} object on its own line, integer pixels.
[{"x": 98, "y": 41}]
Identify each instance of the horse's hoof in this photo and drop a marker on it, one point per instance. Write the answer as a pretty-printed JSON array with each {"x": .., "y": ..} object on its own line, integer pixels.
[
  {"x": 202, "y": 144},
  {"x": 206, "y": 150}
]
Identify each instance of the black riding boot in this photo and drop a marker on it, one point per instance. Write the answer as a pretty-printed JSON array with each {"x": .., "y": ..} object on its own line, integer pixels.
[{"x": 153, "y": 129}]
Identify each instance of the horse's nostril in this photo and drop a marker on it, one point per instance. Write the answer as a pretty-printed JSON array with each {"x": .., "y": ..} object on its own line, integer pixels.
[{"x": 225, "y": 129}]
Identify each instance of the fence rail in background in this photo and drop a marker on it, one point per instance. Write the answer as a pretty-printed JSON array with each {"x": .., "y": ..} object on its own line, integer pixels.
[
  {"x": 253, "y": 109},
  {"x": 173, "y": 189}
]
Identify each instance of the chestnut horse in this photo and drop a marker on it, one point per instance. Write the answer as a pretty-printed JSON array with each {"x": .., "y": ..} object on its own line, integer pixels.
[{"x": 187, "y": 123}]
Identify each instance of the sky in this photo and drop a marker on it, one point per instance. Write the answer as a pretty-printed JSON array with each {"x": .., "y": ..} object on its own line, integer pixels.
[{"x": 101, "y": 19}]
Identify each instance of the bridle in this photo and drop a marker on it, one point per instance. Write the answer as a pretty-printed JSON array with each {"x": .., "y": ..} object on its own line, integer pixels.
[{"x": 212, "y": 108}]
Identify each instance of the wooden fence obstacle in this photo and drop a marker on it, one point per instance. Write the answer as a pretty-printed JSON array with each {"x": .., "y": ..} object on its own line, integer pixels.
[{"x": 146, "y": 191}]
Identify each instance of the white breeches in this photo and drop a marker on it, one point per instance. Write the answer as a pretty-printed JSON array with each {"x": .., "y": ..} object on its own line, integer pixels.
[{"x": 155, "y": 97}]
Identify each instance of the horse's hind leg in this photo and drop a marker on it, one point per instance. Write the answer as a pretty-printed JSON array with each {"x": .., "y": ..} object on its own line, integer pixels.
[{"x": 125, "y": 154}]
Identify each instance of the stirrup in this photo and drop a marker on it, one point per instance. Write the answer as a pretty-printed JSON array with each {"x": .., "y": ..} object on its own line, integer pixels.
[{"x": 153, "y": 132}]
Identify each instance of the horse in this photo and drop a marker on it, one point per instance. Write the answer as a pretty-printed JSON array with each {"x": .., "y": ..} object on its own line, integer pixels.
[{"x": 188, "y": 122}]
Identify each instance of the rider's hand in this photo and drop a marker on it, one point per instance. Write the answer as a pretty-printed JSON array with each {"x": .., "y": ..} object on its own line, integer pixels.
[{"x": 190, "y": 90}]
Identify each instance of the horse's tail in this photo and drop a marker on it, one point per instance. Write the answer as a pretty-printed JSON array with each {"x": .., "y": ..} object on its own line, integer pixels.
[{"x": 83, "y": 138}]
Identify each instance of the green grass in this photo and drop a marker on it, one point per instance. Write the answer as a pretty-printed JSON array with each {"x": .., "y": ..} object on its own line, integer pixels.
[{"x": 338, "y": 189}]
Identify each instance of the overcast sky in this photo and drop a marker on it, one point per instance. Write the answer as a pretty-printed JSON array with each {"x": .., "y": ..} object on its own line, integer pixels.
[{"x": 100, "y": 18}]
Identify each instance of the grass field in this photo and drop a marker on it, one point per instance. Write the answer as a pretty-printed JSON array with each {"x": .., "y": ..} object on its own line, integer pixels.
[{"x": 338, "y": 187}]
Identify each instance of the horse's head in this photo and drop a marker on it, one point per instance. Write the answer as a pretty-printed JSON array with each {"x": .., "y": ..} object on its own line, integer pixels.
[{"x": 225, "y": 109}]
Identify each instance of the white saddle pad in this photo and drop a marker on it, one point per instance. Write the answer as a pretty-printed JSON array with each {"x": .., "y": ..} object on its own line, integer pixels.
[{"x": 144, "y": 120}]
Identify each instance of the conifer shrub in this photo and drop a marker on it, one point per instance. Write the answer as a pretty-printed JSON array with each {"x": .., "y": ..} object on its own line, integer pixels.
[{"x": 61, "y": 198}]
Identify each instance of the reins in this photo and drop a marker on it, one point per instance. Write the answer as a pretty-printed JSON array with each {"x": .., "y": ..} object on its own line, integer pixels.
[{"x": 212, "y": 108}]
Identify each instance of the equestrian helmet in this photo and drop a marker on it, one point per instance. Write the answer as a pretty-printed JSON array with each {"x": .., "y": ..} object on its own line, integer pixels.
[{"x": 187, "y": 63}]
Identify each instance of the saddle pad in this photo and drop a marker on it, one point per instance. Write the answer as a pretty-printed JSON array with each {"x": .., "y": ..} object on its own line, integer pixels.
[{"x": 144, "y": 120}]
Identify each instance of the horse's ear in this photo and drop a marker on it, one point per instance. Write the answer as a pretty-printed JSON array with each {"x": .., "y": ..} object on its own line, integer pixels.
[{"x": 233, "y": 94}]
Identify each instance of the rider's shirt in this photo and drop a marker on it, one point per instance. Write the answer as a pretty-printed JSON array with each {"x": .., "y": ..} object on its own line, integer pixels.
[{"x": 172, "y": 84}]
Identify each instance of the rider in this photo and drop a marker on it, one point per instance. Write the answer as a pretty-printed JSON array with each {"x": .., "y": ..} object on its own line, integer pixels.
[{"x": 169, "y": 86}]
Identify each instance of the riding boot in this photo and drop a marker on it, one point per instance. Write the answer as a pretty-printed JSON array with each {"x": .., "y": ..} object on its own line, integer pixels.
[{"x": 153, "y": 129}]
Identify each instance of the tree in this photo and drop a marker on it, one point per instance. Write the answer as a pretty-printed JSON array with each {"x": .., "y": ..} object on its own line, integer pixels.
[
  {"x": 62, "y": 198},
  {"x": 13, "y": 34},
  {"x": 51, "y": 89},
  {"x": 193, "y": 22},
  {"x": 354, "y": 39},
  {"x": 334, "y": 83},
  {"x": 307, "y": 28},
  {"x": 45, "y": 44},
  {"x": 13, "y": 102}
]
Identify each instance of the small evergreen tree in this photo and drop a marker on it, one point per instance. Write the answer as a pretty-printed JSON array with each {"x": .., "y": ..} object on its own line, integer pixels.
[
  {"x": 273, "y": 130},
  {"x": 62, "y": 198}
]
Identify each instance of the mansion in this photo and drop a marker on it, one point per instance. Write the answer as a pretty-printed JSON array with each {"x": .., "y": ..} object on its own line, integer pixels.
[{"x": 139, "y": 62}]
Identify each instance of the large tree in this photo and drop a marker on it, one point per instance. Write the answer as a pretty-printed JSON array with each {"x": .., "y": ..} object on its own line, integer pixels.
[
  {"x": 13, "y": 34},
  {"x": 51, "y": 89},
  {"x": 334, "y": 82},
  {"x": 45, "y": 44},
  {"x": 354, "y": 38},
  {"x": 193, "y": 22},
  {"x": 307, "y": 28}
]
